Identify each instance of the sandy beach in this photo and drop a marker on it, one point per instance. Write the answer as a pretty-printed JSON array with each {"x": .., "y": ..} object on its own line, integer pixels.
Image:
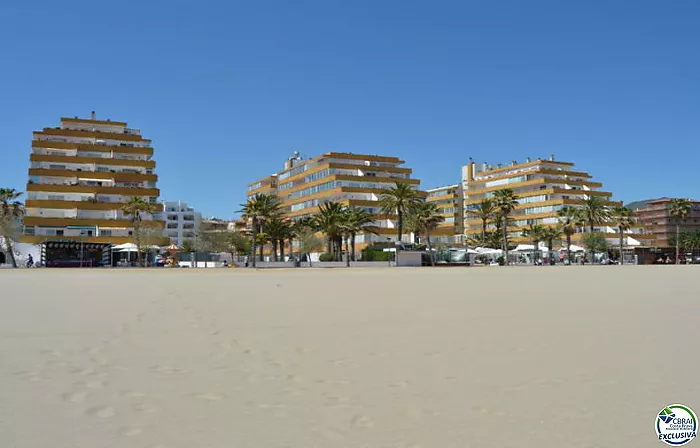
[{"x": 353, "y": 358}]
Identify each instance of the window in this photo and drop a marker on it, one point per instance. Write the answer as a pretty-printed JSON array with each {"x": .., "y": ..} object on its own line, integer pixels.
[
  {"x": 131, "y": 233},
  {"x": 315, "y": 189},
  {"x": 255, "y": 186},
  {"x": 293, "y": 171},
  {"x": 106, "y": 232},
  {"x": 59, "y": 232}
]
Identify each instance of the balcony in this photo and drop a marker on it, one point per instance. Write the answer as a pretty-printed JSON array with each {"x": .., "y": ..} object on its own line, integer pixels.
[{"x": 104, "y": 189}]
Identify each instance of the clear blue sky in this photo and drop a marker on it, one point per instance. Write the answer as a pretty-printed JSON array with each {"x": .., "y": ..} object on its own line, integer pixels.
[{"x": 227, "y": 90}]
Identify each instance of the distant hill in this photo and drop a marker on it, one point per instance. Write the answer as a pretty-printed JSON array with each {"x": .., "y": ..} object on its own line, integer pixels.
[{"x": 636, "y": 205}]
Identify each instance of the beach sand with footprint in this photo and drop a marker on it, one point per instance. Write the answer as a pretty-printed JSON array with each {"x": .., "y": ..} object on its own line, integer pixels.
[{"x": 389, "y": 358}]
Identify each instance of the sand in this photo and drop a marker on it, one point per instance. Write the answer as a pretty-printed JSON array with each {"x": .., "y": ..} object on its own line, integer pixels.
[{"x": 358, "y": 358}]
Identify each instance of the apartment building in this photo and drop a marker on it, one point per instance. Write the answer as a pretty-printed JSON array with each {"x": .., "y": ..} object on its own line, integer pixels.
[
  {"x": 181, "y": 221},
  {"x": 80, "y": 174},
  {"x": 449, "y": 201},
  {"x": 542, "y": 187},
  {"x": 656, "y": 218},
  {"x": 350, "y": 179}
]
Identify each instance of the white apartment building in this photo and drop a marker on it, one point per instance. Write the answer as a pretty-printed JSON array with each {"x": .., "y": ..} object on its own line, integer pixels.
[{"x": 181, "y": 221}]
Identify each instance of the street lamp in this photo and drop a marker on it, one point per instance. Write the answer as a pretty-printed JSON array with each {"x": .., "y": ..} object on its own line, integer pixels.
[{"x": 388, "y": 252}]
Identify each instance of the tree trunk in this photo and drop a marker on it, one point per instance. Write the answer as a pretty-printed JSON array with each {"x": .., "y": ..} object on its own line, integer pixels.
[
  {"x": 536, "y": 247},
  {"x": 550, "y": 246},
  {"x": 505, "y": 241},
  {"x": 483, "y": 232},
  {"x": 347, "y": 251},
  {"x": 568, "y": 247},
  {"x": 399, "y": 225},
  {"x": 10, "y": 251},
  {"x": 622, "y": 258},
  {"x": 330, "y": 245},
  {"x": 282, "y": 249},
  {"x": 253, "y": 243},
  {"x": 430, "y": 248},
  {"x": 137, "y": 231},
  {"x": 678, "y": 242},
  {"x": 261, "y": 249},
  {"x": 274, "y": 249},
  {"x": 352, "y": 240}
]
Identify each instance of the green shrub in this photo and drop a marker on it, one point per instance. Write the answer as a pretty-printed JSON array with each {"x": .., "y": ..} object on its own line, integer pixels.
[
  {"x": 326, "y": 257},
  {"x": 500, "y": 260},
  {"x": 375, "y": 255}
]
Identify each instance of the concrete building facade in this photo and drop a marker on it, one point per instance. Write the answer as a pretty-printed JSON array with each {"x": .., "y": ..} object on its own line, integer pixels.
[
  {"x": 656, "y": 218},
  {"x": 182, "y": 222},
  {"x": 543, "y": 187},
  {"x": 351, "y": 179},
  {"x": 449, "y": 201},
  {"x": 80, "y": 175}
]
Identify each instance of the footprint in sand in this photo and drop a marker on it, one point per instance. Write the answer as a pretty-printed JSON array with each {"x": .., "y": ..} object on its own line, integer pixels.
[
  {"x": 101, "y": 412},
  {"x": 362, "y": 421},
  {"x": 214, "y": 396},
  {"x": 76, "y": 397},
  {"x": 92, "y": 351},
  {"x": 97, "y": 384},
  {"x": 132, "y": 394},
  {"x": 129, "y": 431},
  {"x": 145, "y": 408},
  {"x": 168, "y": 370}
]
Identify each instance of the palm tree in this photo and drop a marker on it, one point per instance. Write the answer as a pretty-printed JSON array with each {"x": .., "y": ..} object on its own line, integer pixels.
[
  {"x": 536, "y": 234},
  {"x": 11, "y": 210},
  {"x": 623, "y": 219},
  {"x": 298, "y": 227},
  {"x": 691, "y": 241},
  {"x": 505, "y": 202},
  {"x": 277, "y": 229},
  {"x": 680, "y": 208},
  {"x": 427, "y": 217},
  {"x": 492, "y": 240},
  {"x": 399, "y": 200},
  {"x": 569, "y": 219},
  {"x": 328, "y": 220},
  {"x": 357, "y": 220},
  {"x": 594, "y": 212},
  {"x": 259, "y": 209},
  {"x": 549, "y": 234},
  {"x": 136, "y": 207},
  {"x": 484, "y": 210}
]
